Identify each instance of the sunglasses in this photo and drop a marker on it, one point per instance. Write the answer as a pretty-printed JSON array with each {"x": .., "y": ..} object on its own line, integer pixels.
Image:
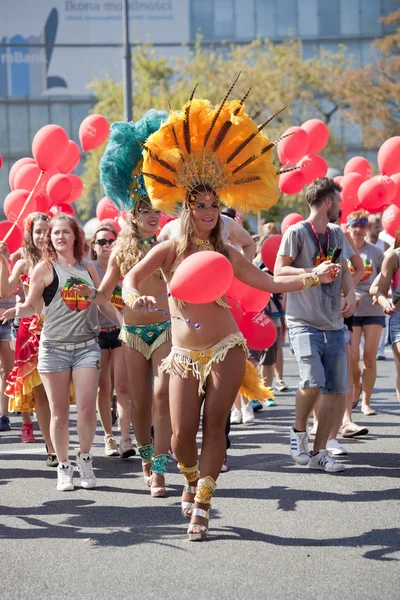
[{"x": 104, "y": 242}]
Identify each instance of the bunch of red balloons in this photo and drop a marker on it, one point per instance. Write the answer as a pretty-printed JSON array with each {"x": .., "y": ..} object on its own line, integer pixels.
[
  {"x": 375, "y": 194},
  {"x": 45, "y": 183},
  {"x": 205, "y": 277},
  {"x": 300, "y": 147}
]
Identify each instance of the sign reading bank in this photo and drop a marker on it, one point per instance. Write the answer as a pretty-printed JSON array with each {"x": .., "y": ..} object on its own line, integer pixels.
[{"x": 28, "y": 69}]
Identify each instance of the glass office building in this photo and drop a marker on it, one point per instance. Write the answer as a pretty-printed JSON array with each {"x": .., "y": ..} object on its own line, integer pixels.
[{"x": 50, "y": 50}]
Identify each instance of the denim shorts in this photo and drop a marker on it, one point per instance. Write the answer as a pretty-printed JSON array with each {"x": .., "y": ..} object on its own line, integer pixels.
[
  {"x": 394, "y": 328},
  {"x": 363, "y": 321},
  {"x": 5, "y": 332},
  {"x": 55, "y": 360},
  {"x": 322, "y": 360}
]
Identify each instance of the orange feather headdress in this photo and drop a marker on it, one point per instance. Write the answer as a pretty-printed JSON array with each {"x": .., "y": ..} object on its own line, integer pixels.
[{"x": 219, "y": 147}]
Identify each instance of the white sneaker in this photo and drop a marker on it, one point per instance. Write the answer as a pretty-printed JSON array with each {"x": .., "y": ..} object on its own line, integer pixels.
[
  {"x": 299, "y": 447},
  {"x": 84, "y": 462},
  {"x": 324, "y": 462},
  {"x": 335, "y": 449},
  {"x": 65, "y": 478},
  {"x": 281, "y": 386},
  {"x": 126, "y": 448},
  {"x": 247, "y": 414},
  {"x": 236, "y": 416},
  {"x": 110, "y": 447}
]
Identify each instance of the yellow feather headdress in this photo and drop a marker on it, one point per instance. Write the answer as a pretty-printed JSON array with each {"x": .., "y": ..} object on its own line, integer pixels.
[{"x": 219, "y": 147}]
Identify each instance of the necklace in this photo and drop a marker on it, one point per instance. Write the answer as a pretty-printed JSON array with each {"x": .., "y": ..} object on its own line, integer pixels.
[
  {"x": 202, "y": 244},
  {"x": 148, "y": 241}
]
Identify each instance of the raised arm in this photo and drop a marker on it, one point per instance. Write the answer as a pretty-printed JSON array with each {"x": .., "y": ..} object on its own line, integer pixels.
[
  {"x": 238, "y": 236},
  {"x": 356, "y": 261},
  {"x": 106, "y": 287},
  {"x": 42, "y": 276},
  {"x": 389, "y": 268},
  {"x": 10, "y": 284}
]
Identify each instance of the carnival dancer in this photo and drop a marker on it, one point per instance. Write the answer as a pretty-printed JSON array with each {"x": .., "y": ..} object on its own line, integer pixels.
[
  {"x": 197, "y": 159},
  {"x": 68, "y": 348},
  {"x": 112, "y": 363},
  {"x": 25, "y": 387},
  {"x": 145, "y": 336}
]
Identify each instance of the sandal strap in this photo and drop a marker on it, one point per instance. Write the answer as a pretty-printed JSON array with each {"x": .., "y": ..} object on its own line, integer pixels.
[
  {"x": 200, "y": 512},
  {"x": 187, "y": 505},
  {"x": 202, "y": 528},
  {"x": 190, "y": 489}
]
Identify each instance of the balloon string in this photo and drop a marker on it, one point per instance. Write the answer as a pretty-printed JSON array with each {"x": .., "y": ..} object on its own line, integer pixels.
[
  {"x": 9, "y": 232},
  {"x": 196, "y": 326}
]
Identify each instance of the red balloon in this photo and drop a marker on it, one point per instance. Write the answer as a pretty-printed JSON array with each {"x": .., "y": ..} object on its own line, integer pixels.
[
  {"x": 350, "y": 185},
  {"x": 14, "y": 241},
  {"x": 26, "y": 177},
  {"x": 254, "y": 299},
  {"x": 237, "y": 289},
  {"x": 259, "y": 331},
  {"x": 14, "y": 203},
  {"x": 93, "y": 131},
  {"x": 77, "y": 188},
  {"x": 72, "y": 158},
  {"x": 106, "y": 209},
  {"x": 290, "y": 220},
  {"x": 391, "y": 220},
  {"x": 292, "y": 148},
  {"x": 358, "y": 164},
  {"x": 313, "y": 166},
  {"x": 318, "y": 135},
  {"x": 396, "y": 180},
  {"x": 235, "y": 309},
  {"x": 1, "y": 161},
  {"x": 55, "y": 209},
  {"x": 42, "y": 203},
  {"x": 373, "y": 194},
  {"x": 338, "y": 179},
  {"x": 292, "y": 182},
  {"x": 59, "y": 188},
  {"x": 347, "y": 206},
  {"x": 389, "y": 156},
  {"x": 113, "y": 222},
  {"x": 17, "y": 165},
  {"x": 50, "y": 146},
  {"x": 390, "y": 188},
  {"x": 202, "y": 277},
  {"x": 269, "y": 251}
]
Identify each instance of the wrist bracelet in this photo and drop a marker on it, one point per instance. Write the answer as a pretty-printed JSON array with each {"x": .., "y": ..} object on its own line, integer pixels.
[
  {"x": 310, "y": 280},
  {"x": 130, "y": 295}
]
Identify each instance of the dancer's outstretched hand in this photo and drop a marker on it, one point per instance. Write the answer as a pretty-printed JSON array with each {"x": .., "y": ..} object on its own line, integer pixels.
[{"x": 144, "y": 302}]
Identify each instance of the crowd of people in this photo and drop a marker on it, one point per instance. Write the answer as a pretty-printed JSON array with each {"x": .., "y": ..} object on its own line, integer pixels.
[{"x": 81, "y": 329}]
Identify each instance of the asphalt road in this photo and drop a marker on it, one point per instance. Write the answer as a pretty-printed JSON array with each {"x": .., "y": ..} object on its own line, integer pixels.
[{"x": 277, "y": 530}]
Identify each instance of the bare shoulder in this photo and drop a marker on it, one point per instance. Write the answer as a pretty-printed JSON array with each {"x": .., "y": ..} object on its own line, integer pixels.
[
  {"x": 21, "y": 267},
  {"x": 43, "y": 271}
]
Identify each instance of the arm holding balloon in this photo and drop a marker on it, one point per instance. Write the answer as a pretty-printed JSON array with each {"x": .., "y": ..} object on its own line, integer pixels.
[{"x": 42, "y": 276}]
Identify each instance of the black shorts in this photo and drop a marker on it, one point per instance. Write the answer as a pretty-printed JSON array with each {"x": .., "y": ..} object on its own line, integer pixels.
[
  {"x": 363, "y": 321},
  {"x": 348, "y": 321},
  {"x": 108, "y": 340},
  {"x": 266, "y": 357}
]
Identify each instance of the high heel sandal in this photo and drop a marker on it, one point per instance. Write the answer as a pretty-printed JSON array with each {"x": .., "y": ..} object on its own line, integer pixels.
[
  {"x": 191, "y": 474},
  {"x": 205, "y": 488},
  {"x": 146, "y": 454},
  {"x": 158, "y": 467}
]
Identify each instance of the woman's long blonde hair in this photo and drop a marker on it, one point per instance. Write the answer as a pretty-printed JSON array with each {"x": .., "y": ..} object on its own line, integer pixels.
[
  {"x": 189, "y": 231},
  {"x": 130, "y": 249}
]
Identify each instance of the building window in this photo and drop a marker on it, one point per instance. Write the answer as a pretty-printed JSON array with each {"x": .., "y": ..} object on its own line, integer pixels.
[
  {"x": 266, "y": 18},
  {"x": 350, "y": 17},
  {"x": 201, "y": 19},
  {"x": 3, "y": 129},
  {"x": 389, "y": 6},
  {"x": 38, "y": 117},
  {"x": 19, "y": 129},
  {"x": 286, "y": 18},
  {"x": 328, "y": 18},
  {"x": 244, "y": 19},
  {"x": 60, "y": 115},
  {"x": 223, "y": 19},
  {"x": 308, "y": 18},
  {"x": 370, "y": 15}
]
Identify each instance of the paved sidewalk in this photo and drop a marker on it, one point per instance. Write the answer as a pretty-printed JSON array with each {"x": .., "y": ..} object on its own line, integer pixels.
[{"x": 277, "y": 530}]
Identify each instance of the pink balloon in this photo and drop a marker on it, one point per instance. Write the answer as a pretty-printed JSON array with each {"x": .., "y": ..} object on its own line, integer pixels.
[
  {"x": 318, "y": 135},
  {"x": 259, "y": 330},
  {"x": 59, "y": 188},
  {"x": 313, "y": 166},
  {"x": 358, "y": 164},
  {"x": 113, "y": 222},
  {"x": 42, "y": 203},
  {"x": 390, "y": 188},
  {"x": 292, "y": 148},
  {"x": 14, "y": 203},
  {"x": 235, "y": 309},
  {"x": 202, "y": 278},
  {"x": 16, "y": 166},
  {"x": 26, "y": 177},
  {"x": 254, "y": 300},
  {"x": 77, "y": 188},
  {"x": 50, "y": 147},
  {"x": 391, "y": 220},
  {"x": 396, "y": 180},
  {"x": 389, "y": 156},
  {"x": 292, "y": 182},
  {"x": 373, "y": 194},
  {"x": 14, "y": 241},
  {"x": 106, "y": 209},
  {"x": 72, "y": 158},
  {"x": 1, "y": 161},
  {"x": 350, "y": 185},
  {"x": 338, "y": 179},
  {"x": 55, "y": 209},
  {"x": 269, "y": 251},
  {"x": 290, "y": 220},
  {"x": 93, "y": 131}
]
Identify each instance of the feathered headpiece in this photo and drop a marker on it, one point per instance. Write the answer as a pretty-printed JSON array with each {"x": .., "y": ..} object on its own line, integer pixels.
[
  {"x": 121, "y": 164},
  {"x": 218, "y": 147}
]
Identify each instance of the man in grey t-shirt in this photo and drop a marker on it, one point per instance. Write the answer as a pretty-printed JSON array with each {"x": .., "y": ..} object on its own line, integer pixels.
[{"x": 315, "y": 321}]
